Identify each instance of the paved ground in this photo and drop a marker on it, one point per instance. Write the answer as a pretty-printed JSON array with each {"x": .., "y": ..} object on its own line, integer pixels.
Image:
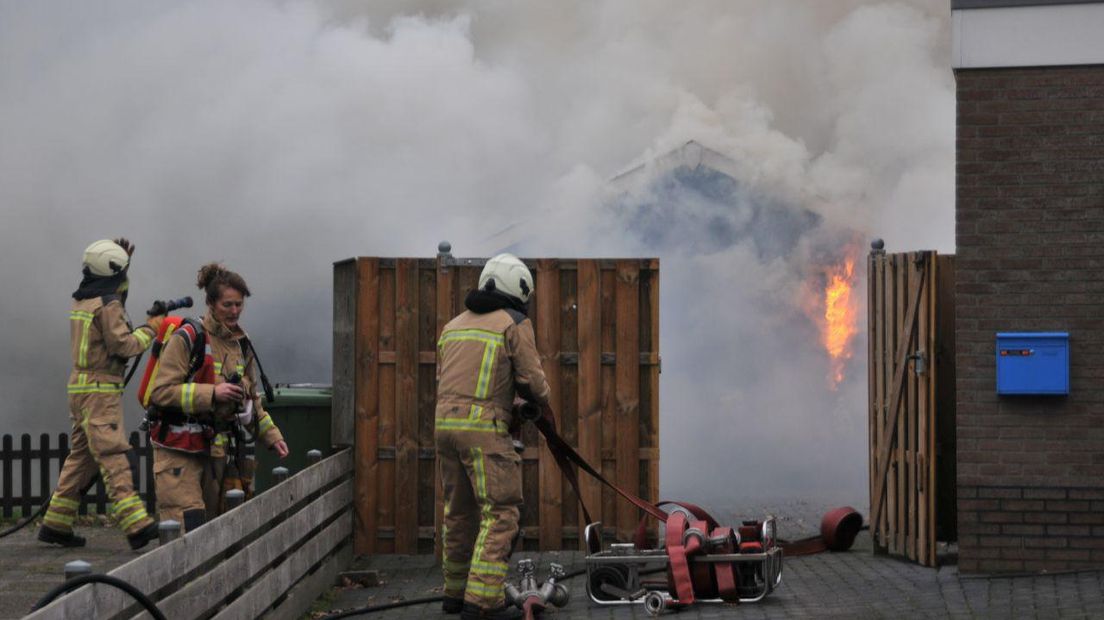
[
  {"x": 856, "y": 584},
  {"x": 29, "y": 569}
]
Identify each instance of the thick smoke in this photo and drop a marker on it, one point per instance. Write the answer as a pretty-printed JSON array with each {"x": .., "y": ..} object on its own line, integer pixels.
[{"x": 278, "y": 137}]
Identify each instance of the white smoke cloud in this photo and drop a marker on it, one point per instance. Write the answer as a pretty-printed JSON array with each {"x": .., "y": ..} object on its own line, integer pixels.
[{"x": 279, "y": 137}]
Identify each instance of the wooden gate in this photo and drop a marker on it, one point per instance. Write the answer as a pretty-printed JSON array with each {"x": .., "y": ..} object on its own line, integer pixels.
[
  {"x": 597, "y": 329},
  {"x": 911, "y": 322}
]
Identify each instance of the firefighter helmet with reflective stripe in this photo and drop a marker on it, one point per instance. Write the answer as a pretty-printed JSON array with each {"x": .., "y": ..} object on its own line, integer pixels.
[
  {"x": 105, "y": 258},
  {"x": 510, "y": 276}
]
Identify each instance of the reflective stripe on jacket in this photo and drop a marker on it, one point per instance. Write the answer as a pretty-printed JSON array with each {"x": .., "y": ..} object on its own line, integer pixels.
[
  {"x": 101, "y": 340},
  {"x": 485, "y": 360}
]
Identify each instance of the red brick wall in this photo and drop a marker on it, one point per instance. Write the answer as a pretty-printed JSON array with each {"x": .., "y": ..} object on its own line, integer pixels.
[{"x": 1030, "y": 257}]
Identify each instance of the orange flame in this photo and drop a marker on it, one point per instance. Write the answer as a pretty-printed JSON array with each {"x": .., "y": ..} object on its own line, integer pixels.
[{"x": 840, "y": 318}]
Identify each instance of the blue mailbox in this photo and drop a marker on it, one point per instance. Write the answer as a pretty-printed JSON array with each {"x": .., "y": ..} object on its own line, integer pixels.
[{"x": 1033, "y": 363}]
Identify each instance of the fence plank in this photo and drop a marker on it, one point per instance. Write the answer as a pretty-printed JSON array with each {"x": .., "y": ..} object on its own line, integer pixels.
[
  {"x": 627, "y": 373},
  {"x": 168, "y": 563},
  {"x": 6, "y": 461},
  {"x": 912, "y": 423},
  {"x": 650, "y": 317},
  {"x": 301, "y": 597},
  {"x": 444, "y": 310},
  {"x": 590, "y": 379},
  {"x": 426, "y": 389},
  {"x": 199, "y": 596},
  {"x": 345, "y": 334},
  {"x": 385, "y": 493},
  {"x": 406, "y": 405},
  {"x": 254, "y": 601},
  {"x": 25, "y": 473},
  {"x": 366, "y": 403},
  {"x": 923, "y": 413},
  {"x": 548, "y": 344}
]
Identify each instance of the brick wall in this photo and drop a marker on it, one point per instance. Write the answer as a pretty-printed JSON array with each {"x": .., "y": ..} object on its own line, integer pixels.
[{"x": 1030, "y": 257}]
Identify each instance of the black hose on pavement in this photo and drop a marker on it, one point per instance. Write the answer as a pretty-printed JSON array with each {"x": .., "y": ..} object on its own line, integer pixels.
[{"x": 77, "y": 582}]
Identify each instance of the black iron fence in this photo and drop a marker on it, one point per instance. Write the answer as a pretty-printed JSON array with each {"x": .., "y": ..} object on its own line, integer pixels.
[{"x": 35, "y": 467}]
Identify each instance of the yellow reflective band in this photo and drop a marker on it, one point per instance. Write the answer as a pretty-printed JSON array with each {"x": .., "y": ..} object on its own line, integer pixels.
[
  {"x": 456, "y": 567},
  {"x": 239, "y": 368},
  {"x": 478, "y": 426},
  {"x": 127, "y": 503},
  {"x": 486, "y": 592},
  {"x": 94, "y": 388},
  {"x": 456, "y": 583},
  {"x": 187, "y": 397},
  {"x": 143, "y": 337},
  {"x": 472, "y": 335},
  {"x": 137, "y": 516},
  {"x": 265, "y": 423},
  {"x": 218, "y": 367},
  {"x": 82, "y": 350},
  {"x": 489, "y": 568},
  {"x": 64, "y": 520},
  {"x": 220, "y": 439},
  {"x": 486, "y": 369},
  {"x": 476, "y": 412},
  {"x": 480, "y": 471},
  {"x": 62, "y": 502}
]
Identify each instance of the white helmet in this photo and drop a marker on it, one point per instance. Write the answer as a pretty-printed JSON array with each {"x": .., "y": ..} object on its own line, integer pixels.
[
  {"x": 510, "y": 276},
  {"x": 105, "y": 258}
]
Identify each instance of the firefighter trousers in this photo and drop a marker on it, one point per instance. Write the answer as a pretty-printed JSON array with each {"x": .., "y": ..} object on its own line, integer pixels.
[
  {"x": 180, "y": 478},
  {"x": 481, "y": 478},
  {"x": 98, "y": 444}
]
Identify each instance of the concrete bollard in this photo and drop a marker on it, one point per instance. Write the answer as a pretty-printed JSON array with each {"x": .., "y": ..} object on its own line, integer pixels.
[
  {"x": 76, "y": 568},
  {"x": 314, "y": 456},
  {"x": 234, "y": 498},
  {"x": 168, "y": 530},
  {"x": 279, "y": 474}
]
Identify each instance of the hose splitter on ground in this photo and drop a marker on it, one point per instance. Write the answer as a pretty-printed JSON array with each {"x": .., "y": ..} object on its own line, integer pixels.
[{"x": 532, "y": 598}]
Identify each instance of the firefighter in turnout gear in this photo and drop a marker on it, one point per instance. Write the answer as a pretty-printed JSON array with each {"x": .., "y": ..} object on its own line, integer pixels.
[
  {"x": 488, "y": 355},
  {"x": 102, "y": 341},
  {"x": 205, "y": 405}
]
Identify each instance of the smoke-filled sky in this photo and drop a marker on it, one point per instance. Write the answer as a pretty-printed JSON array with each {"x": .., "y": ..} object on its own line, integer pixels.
[{"x": 278, "y": 137}]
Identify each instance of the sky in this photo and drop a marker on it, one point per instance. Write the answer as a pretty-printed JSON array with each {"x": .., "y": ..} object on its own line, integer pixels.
[{"x": 279, "y": 137}]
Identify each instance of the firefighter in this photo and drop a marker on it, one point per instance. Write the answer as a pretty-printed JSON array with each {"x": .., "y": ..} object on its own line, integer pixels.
[
  {"x": 488, "y": 355},
  {"x": 205, "y": 403},
  {"x": 101, "y": 342}
]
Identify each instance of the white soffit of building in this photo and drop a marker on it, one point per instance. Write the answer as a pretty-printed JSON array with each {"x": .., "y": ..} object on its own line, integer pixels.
[{"x": 1029, "y": 35}]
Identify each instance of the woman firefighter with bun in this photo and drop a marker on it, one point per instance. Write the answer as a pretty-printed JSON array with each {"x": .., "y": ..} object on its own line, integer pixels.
[{"x": 205, "y": 398}]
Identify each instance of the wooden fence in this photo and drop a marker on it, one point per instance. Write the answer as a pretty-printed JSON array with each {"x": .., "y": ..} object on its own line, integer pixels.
[
  {"x": 46, "y": 461},
  {"x": 597, "y": 329},
  {"x": 272, "y": 556},
  {"x": 911, "y": 321}
]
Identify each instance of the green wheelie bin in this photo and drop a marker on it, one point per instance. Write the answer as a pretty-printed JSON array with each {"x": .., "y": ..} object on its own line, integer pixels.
[{"x": 302, "y": 413}]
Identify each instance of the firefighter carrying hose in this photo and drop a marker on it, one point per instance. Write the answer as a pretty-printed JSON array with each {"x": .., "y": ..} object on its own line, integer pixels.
[
  {"x": 488, "y": 355},
  {"x": 101, "y": 342},
  {"x": 204, "y": 403}
]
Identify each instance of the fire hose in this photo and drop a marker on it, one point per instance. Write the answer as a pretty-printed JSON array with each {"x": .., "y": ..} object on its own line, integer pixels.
[{"x": 77, "y": 582}]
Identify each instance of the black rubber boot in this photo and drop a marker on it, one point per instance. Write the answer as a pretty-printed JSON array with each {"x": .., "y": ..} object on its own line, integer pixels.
[
  {"x": 471, "y": 612},
  {"x": 452, "y": 605},
  {"x": 142, "y": 538},
  {"x": 55, "y": 537}
]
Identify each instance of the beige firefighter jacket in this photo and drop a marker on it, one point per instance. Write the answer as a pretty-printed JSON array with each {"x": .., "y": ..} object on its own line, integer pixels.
[
  {"x": 101, "y": 340},
  {"x": 172, "y": 390},
  {"x": 485, "y": 360}
]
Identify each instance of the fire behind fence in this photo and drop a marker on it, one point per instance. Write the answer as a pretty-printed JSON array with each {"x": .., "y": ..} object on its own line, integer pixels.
[{"x": 35, "y": 469}]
